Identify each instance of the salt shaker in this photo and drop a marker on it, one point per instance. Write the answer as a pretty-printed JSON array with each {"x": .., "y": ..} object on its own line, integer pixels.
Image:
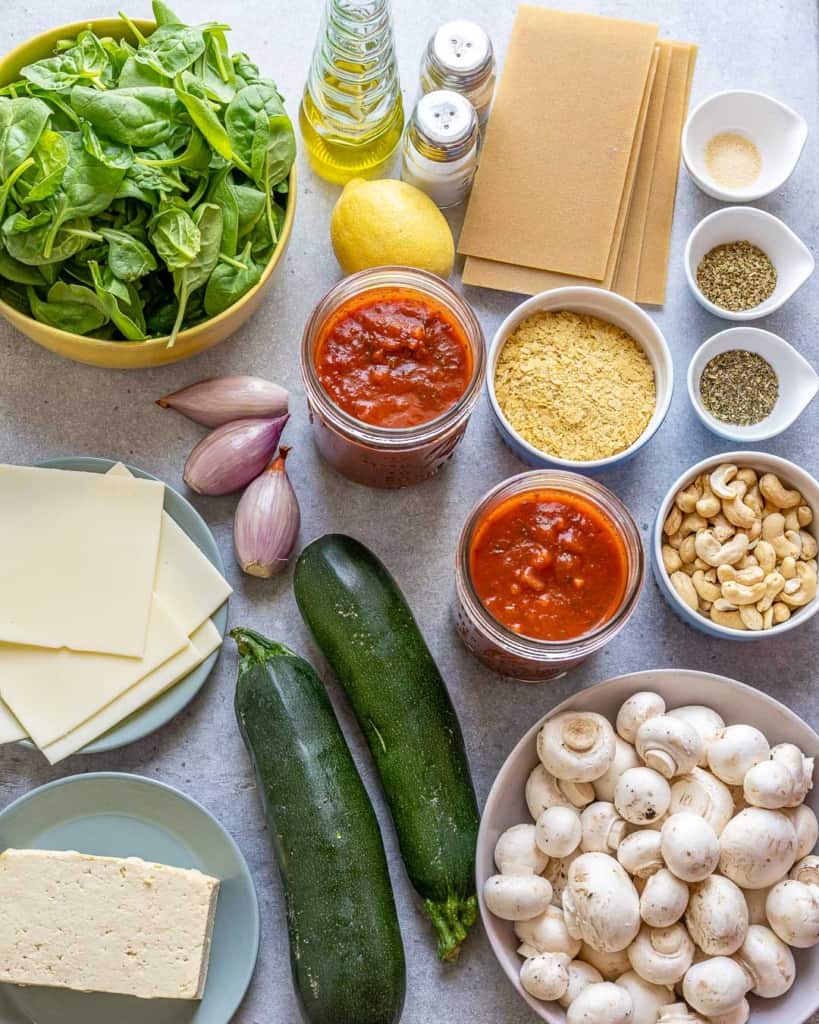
[
  {"x": 441, "y": 147},
  {"x": 460, "y": 57}
]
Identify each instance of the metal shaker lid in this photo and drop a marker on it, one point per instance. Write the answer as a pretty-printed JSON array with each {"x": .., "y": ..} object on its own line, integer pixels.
[
  {"x": 445, "y": 120},
  {"x": 462, "y": 48}
]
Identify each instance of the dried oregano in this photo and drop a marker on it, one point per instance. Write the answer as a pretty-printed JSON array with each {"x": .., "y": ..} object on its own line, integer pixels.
[
  {"x": 736, "y": 276},
  {"x": 739, "y": 387}
]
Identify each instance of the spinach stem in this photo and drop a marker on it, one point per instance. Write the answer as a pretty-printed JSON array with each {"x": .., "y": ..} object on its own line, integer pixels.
[
  {"x": 7, "y": 185},
  {"x": 231, "y": 262},
  {"x": 139, "y": 36}
]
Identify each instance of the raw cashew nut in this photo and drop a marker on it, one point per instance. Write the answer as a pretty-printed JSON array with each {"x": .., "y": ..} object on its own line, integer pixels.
[
  {"x": 806, "y": 589},
  {"x": 672, "y": 522},
  {"x": 723, "y": 530},
  {"x": 685, "y": 589},
  {"x": 774, "y": 582},
  {"x": 751, "y": 618},
  {"x": 809, "y": 545},
  {"x": 711, "y": 551},
  {"x": 687, "y": 550},
  {"x": 781, "y": 613},
  {"x": 707, "y": 590},
  {"x": 671, "y": 559},
  {"x": 709, "y": 504},
  {"x": 739, "y": 594},
  {"x": 736, "y": 511},
  {"x": 692, "y": 523},
  {"x": 686, "y": 499},
  {"x": 776, "y": 492},
  {"x": 720, "y": 478},
  {"x": 733, "y": 620},
  {"x": 766, "y": 556},
  {"x": 786, "y": 543},
  {"x": 748, "y": 476}
]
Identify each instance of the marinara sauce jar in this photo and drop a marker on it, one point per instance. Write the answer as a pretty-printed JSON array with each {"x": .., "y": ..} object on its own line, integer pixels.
[
  {"x": 393, "y": 361},
  {"x": 549, "y": 568}
]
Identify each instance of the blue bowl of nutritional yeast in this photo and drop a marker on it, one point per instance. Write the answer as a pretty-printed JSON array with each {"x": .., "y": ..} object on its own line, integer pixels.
[
  {"x": 615, "y": 310},
  {"x": 792, "y": 477}
]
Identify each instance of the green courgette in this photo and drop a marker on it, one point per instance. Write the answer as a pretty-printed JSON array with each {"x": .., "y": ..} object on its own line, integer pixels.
[
  {"x": 345, "y": 945},
  {"x": 366, "y": 630}
]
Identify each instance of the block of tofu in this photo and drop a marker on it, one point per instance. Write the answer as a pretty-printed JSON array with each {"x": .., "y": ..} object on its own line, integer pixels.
[{"x": 105, "y": 924}]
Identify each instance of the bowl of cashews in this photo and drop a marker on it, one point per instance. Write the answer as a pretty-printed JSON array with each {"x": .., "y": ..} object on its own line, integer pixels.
[{"x": 734, "y": 545}]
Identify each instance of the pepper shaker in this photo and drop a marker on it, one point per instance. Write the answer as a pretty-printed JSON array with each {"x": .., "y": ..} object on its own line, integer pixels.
[
  {"x": 459, "y": 57},
  {"x": 441, "y": 147}
]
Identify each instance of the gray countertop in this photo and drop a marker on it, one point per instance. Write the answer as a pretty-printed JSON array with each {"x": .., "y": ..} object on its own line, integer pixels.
[{"x": 50, "y": 407}]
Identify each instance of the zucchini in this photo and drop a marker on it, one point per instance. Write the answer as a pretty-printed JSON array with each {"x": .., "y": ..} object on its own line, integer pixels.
[
  {"x": 345, "y": 945},
  {"x": 366, "y": 630}
]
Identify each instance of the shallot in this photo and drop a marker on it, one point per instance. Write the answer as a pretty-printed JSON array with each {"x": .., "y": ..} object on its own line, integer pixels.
[
  {"x": 267, "y": 521},
  {"x": 232, "y": 455},
  {"x": 221, "y": 400}
]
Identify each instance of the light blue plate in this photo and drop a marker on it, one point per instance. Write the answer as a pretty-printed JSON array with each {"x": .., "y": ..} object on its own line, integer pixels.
[
  {"x": 160, "y": 711},
  {"x": 120, "y": 815}
]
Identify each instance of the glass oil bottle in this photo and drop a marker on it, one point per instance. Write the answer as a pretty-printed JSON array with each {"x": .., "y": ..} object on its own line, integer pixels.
[{"x": 351, "y": 113}]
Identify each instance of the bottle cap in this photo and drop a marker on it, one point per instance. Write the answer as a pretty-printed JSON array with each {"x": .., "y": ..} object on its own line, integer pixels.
[
  {"x": 462, "y": 51},
  {"x": 444, "y": 122}
]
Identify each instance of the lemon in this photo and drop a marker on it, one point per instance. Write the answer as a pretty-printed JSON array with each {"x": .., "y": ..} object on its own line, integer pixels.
[{"x": 389, "y": 221}]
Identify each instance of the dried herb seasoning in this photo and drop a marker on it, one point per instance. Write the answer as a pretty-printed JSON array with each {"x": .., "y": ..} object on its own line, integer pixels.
[
  {"x": 736, "y": 276},
  {"x": 739, "y": 387}
]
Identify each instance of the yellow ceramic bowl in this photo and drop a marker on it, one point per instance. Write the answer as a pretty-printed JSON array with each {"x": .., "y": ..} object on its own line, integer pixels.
[{"x": 155, "y": 351}]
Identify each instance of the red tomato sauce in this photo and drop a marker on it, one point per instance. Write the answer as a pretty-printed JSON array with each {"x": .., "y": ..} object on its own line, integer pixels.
[
  {"x": 393, "y": 357},
  {"x": 549, "y": 565}
]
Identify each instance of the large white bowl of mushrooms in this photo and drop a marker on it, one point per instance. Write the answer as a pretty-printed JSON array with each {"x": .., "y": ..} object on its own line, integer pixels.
[
  {"x": 734, "y": 545},
  {"x": 646, "y": 856}
]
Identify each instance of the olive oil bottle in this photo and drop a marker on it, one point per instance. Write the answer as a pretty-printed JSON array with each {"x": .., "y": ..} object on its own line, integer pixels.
[{"x": 351, "y": 114}]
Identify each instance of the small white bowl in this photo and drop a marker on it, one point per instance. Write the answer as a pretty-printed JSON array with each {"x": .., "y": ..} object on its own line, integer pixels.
[
  {"x": 606, "y": 306},
  {"x": 506, "y": 806},
  {"x": 798, "y": 382},
  {"x": 792, "y": 476},
  {"x": 778, "y": 132},
  {"x": 792, "y": 259}
]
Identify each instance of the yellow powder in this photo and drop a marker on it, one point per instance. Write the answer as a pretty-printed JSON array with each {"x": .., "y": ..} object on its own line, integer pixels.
[
  {"x": 732, "y": 160},
  {"x": 575, "y": 386}
]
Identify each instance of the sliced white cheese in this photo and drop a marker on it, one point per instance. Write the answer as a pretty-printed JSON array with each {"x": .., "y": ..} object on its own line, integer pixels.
[
  {"x": 10, "y": 728},
  {"x": 105, "y": 924},
  {"x": 78, "y": 553},
  {"x": 203, "y": 643},
  {"x": 190, "y": 586},
  {"x": 52, "y": 692}
]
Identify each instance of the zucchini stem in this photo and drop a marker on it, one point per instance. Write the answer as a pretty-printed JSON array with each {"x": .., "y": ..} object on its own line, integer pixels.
[
  {"x": 257, "y": 645},
  {"x": 452, "y": 919}
]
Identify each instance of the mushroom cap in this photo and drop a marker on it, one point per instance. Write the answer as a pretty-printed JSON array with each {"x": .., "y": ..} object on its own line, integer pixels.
[
  {"x": 679, "y": 1013},
  {"x": 603, "y": 828},
  {"x": 545, "y": 976},
  {"x": 781, "y": 781},
  {"x": 610, "y": 964},
  {"x": 739, "y": 1015},
  {"x": 625, "y": 756},
  {"x": 717, "y": 916},
  {"x": 768, "y": 962},
  {"x": 806, "y": 826},
  {"x": 641, "y": 795},
  {"x": 542, "y": 792},
  {"x": 546, "y": 933},
  {"x": 706, "y": 721},
  {"x": 690, "y": 846},
  {"x": 637, "y": 709},
  {"x": 639, "y": 852},
  {"x": 736, "y": 750},
  {"x": 793, "y": 912},
  {"x": 517, "y": 897},
  {"x": 600, "y": 902},
  {"x": 806, "y": 870},
  {"x": 646, "y": 998},
  {"x": 661, "y": 955},
  {"x": 663, "y": 900},
  {"x": 714, "y": 986},
  {"x": 603, "y": 1003},
  {"x": 576, "y": 745},
  {"x": 516, "y": 852},
  {"x": 757, "y": 847},
  {"x": 581, "y": 975},
  {"x": 704, "y": 794},
  {"x": 670, "y": 745},
  {"x": 558, "y": 831}
]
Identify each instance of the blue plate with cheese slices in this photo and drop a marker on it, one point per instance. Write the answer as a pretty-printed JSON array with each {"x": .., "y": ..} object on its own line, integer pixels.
[{"x": 119, "y": 815}]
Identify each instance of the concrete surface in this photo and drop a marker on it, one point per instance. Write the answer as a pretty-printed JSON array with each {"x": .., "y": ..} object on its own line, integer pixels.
[{"x": 50, "y": 407}]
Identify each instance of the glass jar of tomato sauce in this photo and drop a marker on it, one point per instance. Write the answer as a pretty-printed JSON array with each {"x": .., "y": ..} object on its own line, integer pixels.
[
  {"x": 393, "y": 361},
  {"x": 549, "y": 568}
]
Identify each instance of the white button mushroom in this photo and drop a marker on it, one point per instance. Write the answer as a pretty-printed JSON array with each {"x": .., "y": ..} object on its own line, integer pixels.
[
  {"x": 546, "y": 933},
  {"x": 516, "y": 852},
  {"x": 757, "y": 847},
  {"x": 702, "y": 793},
  {"x": 690, "y": 846},
  {"x": 545, "y": 976},
  {"x": 714, "y": 986},
  {"x": 637, "y": 709},
  {"x": 639, "y": 853},
  {"x": 610, "y": 965},
  {"x": 576, "y": 745},
  {"x": 781, "y": 781},
  {"x": 641, "y": 795},
  {"x": 717, "y": 916},
  {"x": 625, "y": 756},
  {"x": 604, "y": 1003},
  {"x": 646, "y": 999},
  {"x": 735, "y": 751},
  {"x": 679, "y": 1013},
  {"x": 806, "y": 870},
  {"x": 557, "y": 872},
  {"x": 581, "y": 975},
  {"x": 661, "y": 955},
  {"x": 705, "y": 720},
  {"x": 669, "y": 745},
  {"x": 663, "y": 900},
  {"x": 793, "y": 912},
  {"x": 806, "y": 827},
  {"x": 768, "y": 961},
  {"x": 739, "y": 1015},
  {"x": 602, "y": 828},
  {"x": 600, "y": 902},
  {"x": 517, "y": 897},
  {"x": 558, "y": 831},
  {"x": 544, "y": 790}
]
